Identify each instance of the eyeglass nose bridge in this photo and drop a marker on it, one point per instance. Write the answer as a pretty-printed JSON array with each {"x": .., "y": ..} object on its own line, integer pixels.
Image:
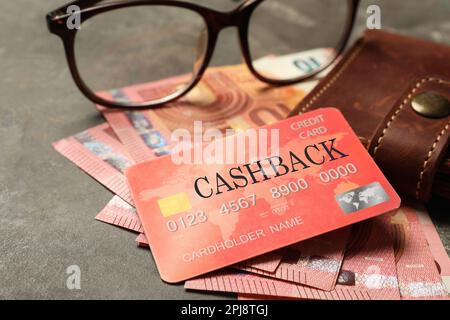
[
  {"x": 236, "y": 18},
  {"x": 223, "y": 20}
]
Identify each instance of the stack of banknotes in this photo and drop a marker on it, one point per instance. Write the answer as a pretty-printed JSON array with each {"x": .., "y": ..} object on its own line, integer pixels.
[{"x": 395, "y": 256}]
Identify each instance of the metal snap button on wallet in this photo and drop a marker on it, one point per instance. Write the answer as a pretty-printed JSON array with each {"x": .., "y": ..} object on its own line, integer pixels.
[{"x": 431, "y": 105}]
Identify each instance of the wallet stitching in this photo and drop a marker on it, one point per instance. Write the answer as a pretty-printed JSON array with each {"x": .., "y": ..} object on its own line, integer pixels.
[
  {"x": 332, "y": 80},
  {"x": 430, "y": 154},
  {"x": 433, "y": 147},
  {"x": 395, "y": 115},
  {"x": 398, "y": 110}
]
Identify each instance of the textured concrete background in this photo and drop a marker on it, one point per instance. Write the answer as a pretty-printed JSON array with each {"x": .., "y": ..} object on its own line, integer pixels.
[{"x": 47, "y": 205}]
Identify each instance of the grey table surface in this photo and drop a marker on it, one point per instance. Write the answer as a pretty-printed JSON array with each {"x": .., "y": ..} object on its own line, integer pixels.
[{"x": 47, "y": 205}]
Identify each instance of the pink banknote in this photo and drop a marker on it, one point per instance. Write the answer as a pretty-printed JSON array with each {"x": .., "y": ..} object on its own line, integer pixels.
[
  {"x": 417, "y": 271},
  {"x": 98, "y": 152},
  {"x": 120, "y": 213},
  {"x": 368, "y": 272},
  {"x": 142, "y": 241},
  {"x": 250, "y": 284},
  {"x": 435, "y": 245},
  {"x": 314, "y": 263},
  {"x": 267, "y": 263},
  {"x": 421, "y": 287}
]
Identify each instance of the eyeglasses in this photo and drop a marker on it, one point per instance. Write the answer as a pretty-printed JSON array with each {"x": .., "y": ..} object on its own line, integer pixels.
[{"x": 124, "y": 43}]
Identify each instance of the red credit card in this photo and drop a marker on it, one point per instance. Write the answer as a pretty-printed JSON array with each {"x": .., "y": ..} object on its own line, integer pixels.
[{"x": 201, "y": 217}]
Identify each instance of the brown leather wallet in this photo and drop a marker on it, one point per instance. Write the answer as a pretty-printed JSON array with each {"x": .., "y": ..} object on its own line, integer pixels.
[{"x": 377, "y": 86}]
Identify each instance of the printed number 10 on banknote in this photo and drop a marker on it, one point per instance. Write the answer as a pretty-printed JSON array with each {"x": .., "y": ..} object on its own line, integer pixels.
[{"x": 199, "y": 218}]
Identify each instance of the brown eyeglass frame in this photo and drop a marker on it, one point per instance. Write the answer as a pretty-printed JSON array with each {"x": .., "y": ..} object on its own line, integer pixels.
[{"x": 215, "y": 22}]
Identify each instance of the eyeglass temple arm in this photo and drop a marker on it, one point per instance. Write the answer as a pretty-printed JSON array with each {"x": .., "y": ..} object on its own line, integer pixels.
[
  {"x": 62, "y": 11},
  {"x": 84, "y": 4}
]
